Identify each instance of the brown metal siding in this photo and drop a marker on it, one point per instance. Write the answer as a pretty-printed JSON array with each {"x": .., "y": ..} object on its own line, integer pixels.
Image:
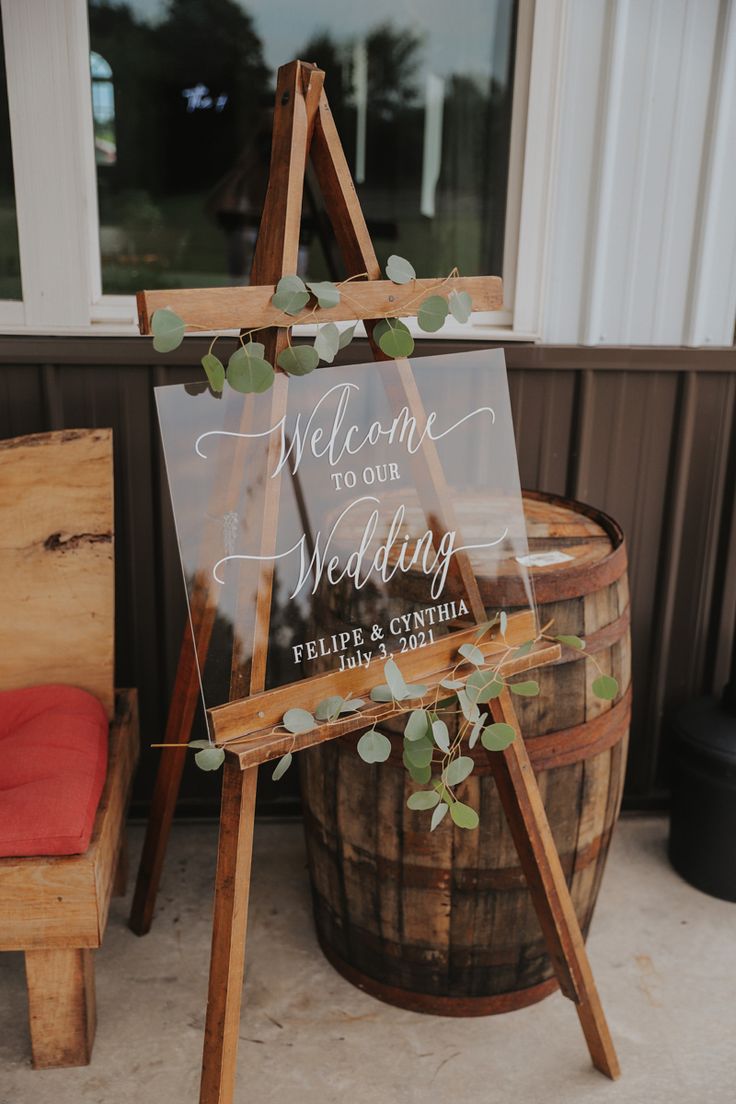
[{"x": 644, "y": 434}]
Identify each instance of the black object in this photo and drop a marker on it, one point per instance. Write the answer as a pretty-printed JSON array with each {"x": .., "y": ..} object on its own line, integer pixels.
[{"x": 702, "y": 844}]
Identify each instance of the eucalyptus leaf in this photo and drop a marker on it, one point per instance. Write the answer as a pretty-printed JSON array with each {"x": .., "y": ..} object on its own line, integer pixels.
[
  {"x": 298, "y": 720},
  {"x": 399, "y": 270},
  {"x": 443, "y": 791},
  {"x": 200, "y": 743},
  {"x": 463, "y": 815},
  {"x": 432, "y": 313},
  {"x": 423, "y": 799},
  {"x": 415, "y": 690},
  {"x": 481, "y": 686},
  {"x": 416, "y": 725},
  {"x": 419, "y": 753},
  {"x": 215, "y": 370},
  {"x": 496, "y": 737},
  {"x": 460, "y": 305},
  {"x": 605, "y": 687},
  {"x": 248, "y": 373},
  {"x": 441, "y": 735},
  {"x": 346, "y": 336},
  {"x": 352, "y": 705},
  {"x": 524, "y": 648},
  {"x": 528, "y": 689},
  {"x": 374, "y": 747},
  {"x": 210, "y": 758},
  {"x": 420, "y": 775},
  {"x": 298, "y": 360},
  {"x": 458, "y": 770},
  {"x": 282, "y": 766},
  {"x": 330, "y": 708},
  {"x": 168, "y": 333},
  {"x": 484, "y": 626},
  {"x": 381, "y": 693},
  {"x": 504, "y": 622},
  {"x": 469, "y": 707},
  {"x": 438, "y": 816},
  {"x": 475, "y": 732},
  {"x": 291, "y": 295},
  {"x": 472, "y": 654},
  {"x": 325, "y": 292},
  {"x": 452, "y": 684},
  {"x": 393, "y": 337},
  {"x": 395, "y": 679},
  {"x": 571, "y": 641},
  {"x": 327, "y": 342}
]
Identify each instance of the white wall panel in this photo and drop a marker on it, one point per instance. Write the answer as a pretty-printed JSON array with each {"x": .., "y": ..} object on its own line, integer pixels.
[{"x": 642, "y": 230}]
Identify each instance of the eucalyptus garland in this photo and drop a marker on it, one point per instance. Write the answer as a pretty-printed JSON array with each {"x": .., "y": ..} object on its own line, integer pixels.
[
  {"x": 433, "y": 759},
  {"x": 247, "y": 369}
]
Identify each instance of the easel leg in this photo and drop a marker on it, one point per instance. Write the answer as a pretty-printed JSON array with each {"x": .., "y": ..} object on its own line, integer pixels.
[
  {"x": 522, "y": 804},
  {"x": 168, "y": 780},
  {"x": 227, "y": 960}
]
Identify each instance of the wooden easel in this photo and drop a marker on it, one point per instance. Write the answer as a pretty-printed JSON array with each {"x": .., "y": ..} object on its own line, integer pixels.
[{"x": 303, "y": 126}]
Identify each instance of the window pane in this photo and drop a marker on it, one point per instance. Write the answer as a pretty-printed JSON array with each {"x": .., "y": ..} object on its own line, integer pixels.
[
  {"x": 182, "y": 92},
  {"x": 10, "y": 287}
]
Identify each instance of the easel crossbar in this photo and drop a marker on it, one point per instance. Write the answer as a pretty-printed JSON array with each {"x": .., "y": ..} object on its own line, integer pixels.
[
  {"x": 250, "y": 307},
  {"x": 246, "y": 728},
  {"x": 259, "y": 711}
]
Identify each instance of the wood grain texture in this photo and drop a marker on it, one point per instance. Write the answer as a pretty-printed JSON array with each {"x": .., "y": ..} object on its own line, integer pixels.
[
  {"x": 57, "y": 585},
  {"x": 340, "y": 198},
  {"x": 61, "y": 1006},
  {"x": 297, "y": 94},
  {"x": 246, "y": 307},
  {"x": 183, "y": 705},
  {"x": 62, "y": 901},
  {"x": 227, "y": 962},
  {"x": 545, "y": 878}
]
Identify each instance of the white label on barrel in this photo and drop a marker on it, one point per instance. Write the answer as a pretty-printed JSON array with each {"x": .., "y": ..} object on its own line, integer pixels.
[{"x": 543, "y": 559}]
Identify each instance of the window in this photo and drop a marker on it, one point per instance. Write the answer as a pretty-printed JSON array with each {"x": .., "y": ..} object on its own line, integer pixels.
[
  {"x": 140, "y": 133},
  {"x": 10, "y": 287},
  {"x": 182, "y": 94}
]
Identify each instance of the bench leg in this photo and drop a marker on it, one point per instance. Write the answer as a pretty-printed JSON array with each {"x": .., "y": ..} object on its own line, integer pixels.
[{"x": 61, "y": 1006}]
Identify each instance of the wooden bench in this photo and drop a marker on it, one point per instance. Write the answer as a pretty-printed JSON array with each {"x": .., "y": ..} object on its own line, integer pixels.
[{"x": 57, "y": 626}]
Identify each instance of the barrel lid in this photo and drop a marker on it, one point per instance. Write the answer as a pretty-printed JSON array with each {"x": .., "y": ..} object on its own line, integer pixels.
[{"x": 706, "y": 730}]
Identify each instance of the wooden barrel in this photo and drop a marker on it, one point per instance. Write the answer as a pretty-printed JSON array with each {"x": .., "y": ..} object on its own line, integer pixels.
[{"x": 443, "y": 922}]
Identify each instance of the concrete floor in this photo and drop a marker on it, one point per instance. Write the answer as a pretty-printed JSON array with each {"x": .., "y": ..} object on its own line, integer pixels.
[{"x": 663, "y": 953}]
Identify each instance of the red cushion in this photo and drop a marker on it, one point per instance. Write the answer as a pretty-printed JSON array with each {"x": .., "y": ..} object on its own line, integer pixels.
[{"x": 53, "y": 761}]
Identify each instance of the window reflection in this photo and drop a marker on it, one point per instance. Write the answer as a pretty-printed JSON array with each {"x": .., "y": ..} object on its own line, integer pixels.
[
  {"x": 421, "y": 93},
  {"x": 103, "y": 109},
  {"x": 10, "y": 286}
]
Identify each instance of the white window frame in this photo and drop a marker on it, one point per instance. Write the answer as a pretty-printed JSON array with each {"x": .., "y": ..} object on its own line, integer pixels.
[{"x": 51, "y": 126}]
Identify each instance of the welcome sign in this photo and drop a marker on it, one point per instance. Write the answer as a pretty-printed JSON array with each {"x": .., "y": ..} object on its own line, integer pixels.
[{"x": 360, "y": 504}]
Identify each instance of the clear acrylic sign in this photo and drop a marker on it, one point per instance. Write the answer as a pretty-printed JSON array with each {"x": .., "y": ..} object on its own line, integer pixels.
[{"x": 361, "y": 495}]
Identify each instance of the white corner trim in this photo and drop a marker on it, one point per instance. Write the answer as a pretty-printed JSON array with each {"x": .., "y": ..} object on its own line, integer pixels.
[
  {"x": 602, "y": 183},
  {"x": 711, "y": 314},
  {"x": 540, "y": 157},
  {"x": 519, "y": 110},
  {"x": 47, "y": 65},
  {"x": 12, "y": 315}
]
